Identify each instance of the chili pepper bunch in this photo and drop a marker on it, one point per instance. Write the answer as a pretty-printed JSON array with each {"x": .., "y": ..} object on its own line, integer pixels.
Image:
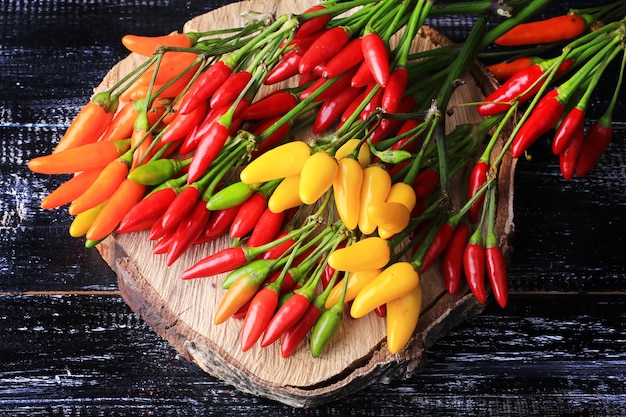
[{"x": 198, "y": 141}]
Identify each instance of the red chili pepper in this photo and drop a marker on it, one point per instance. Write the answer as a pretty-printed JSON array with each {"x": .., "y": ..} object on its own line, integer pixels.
[
  {"x": 337, "y": 87},
  {"x": 207, "y": 83},
  {"x": 276, "y": 103},
  {"x": 230, "y": 89},
  {"x": 191, "y": 142},
  {"x": 496, "y": 271},
  {"x": 373, "y": 104},
  {"x": 248, "y": 215},
  {"x": 594, "y": 145},
  {"x": 267, "y": 228},
  {"x": 425, "y": 183},
  {"x": 219, "y": 223},
  {"x": 260, "y": 311},
  {"x": 287, "y": 315},
  {"x": 147, "y": 211},
  {"x": 439, "y": 244},
  {"x": 163, "y": 244},
  {"x": 288, "y": 282},
  {"x": 225, "y": 260},
  {"x": 381, "y": 310},
  {"x": 387, "y": 126},
  {"x": 183, "y": 124},
  {"x": 324, "y": 48},
  {"x": 187, "y": 231},
  {"x": 286, "y": 68},
  {"x": 477, "y": 179},
  {"x": 568, "y": 127},
  {"x": 394, "y": 90},
  {"x": 278, "y": 250},
  {"x": 569, "y": 156},
  {"x": 376, "y": 56},
  {"x": 362, "y": 77},
  {"x": 314, "y": 25},
  {"x": 347, "y": 58},
  {"x": 543, "y": 118},
  {"x": 332, "y": 109},
  {"x": 293, "y": 336},
  {"x": 474, "y": 266},
  {"x": 184, "y": 202},
  {"x": 208, "y": 148},
  {"x": 554, "y": 29},
  {"x": 522, "y": 86},
  {"x": 452, "y": 261},
  {"x": 406, "y": 126}
]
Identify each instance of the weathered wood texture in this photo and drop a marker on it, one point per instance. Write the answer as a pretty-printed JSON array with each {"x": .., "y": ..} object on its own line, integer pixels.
[
  {"x": 180, "y": 311},
  {"x": 557, "y": 349}
]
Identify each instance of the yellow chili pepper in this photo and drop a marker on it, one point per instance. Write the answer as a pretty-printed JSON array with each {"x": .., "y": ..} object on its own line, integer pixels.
[
  {"x": 280, "y": 162},
  {"x": 286, "y": 195},
  {"x": 347, "y": 191},
  {"x": 401, "y": 192},
  {"x": 83, "y": 220},
  {"x": 402, "y": 317},
  {"x": 366, "y": 254},
  {"x": 374, "y": 189},
  {"x": 317, "y": 176},
  {"x": 395, "y": 281},
  {"x": 364, "y": 157},
  {"x": 356, "y": 281},
  {"x": 391, "y": 217}
]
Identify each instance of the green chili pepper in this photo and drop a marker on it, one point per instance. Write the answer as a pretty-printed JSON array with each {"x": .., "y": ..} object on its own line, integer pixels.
[
  {"x": 157, "y": 172},
  {"x": 230, "y": 196}
]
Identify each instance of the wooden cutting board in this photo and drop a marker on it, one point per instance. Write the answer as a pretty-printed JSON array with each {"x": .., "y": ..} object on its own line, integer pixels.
[{"x": 181, "y": 311}]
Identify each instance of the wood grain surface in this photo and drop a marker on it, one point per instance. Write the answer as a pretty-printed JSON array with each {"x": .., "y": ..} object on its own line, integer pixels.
[{"x": 71, "y": 345}]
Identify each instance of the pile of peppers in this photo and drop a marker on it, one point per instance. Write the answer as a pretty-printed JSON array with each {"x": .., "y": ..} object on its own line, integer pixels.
[{"x": 190, "y": 146}]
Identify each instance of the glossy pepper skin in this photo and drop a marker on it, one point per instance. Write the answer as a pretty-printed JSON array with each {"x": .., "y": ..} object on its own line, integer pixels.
[
  {"x": 280, "y": 162},
  {"x": 401, "y": 319},
  {"x": 376, "y": 56},
  {"x": 543, "y": 118},
  {"x": 569, "y": 156},
  {"x": 477, "y": 179},
  {"x": 347, "y": 191},
  {"x": 474, "y": 269},
  {"x": 324, "y": 47},
  {"x": 393, "y": 282},
  {"x": 522, "y": 86},
  {"x": 594, "y": 145},
  {"x": 366, "y": 254},
  {"x": 569, "y": 126},
  {"x": 452, "y": 260}
]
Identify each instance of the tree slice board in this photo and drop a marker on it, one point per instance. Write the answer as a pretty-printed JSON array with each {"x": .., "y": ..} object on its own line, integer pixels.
[{"x": 182, "y": 311}]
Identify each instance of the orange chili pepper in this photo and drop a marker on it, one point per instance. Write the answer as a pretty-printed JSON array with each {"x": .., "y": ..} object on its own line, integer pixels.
[
  {"x": 82, "y": 158},
  {"x": 70, "y": 189},
  {"x": 90, "y": 123},
  {"x": 125, "y": 197},
  {"x": 172, "y": 64},
  {"x": 147, "y": 45},
  {"x": 505, "y": 69},
  {"x": 104, "y": 186}
]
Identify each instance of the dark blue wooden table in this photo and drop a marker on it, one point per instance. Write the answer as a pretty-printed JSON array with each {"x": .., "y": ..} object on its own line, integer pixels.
[{"x": 69, "y": 345}]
